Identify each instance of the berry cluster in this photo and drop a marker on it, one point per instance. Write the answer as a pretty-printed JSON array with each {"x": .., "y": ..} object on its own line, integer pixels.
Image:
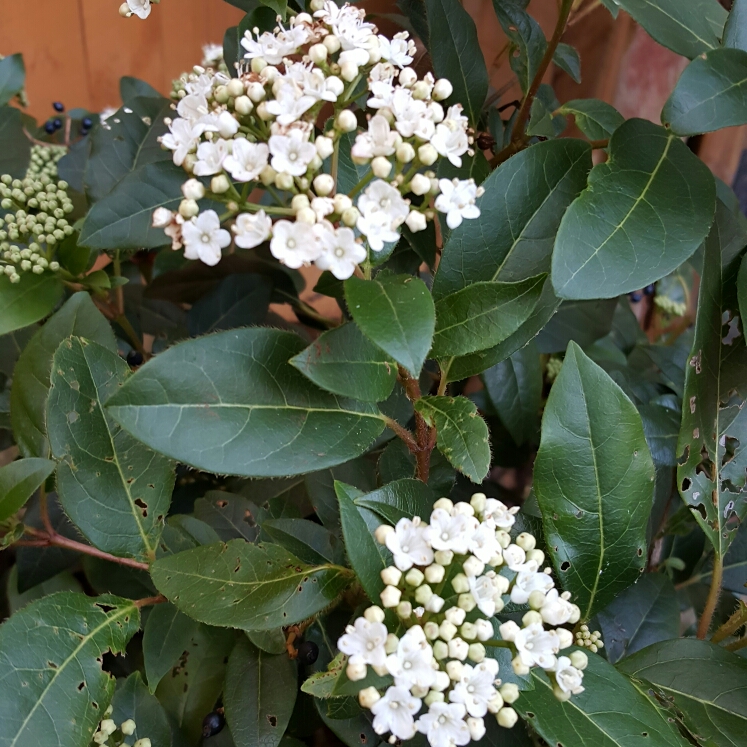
[
  {"x": 449, "y": 578},
  {"x": 260, "y": 129}
]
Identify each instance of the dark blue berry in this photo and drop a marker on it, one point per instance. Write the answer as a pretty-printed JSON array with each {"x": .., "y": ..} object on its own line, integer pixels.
[
  {"x": 635, "y": 296},
  {"x": 57, "y": 123},
  {"x": 649, "y": 290},
  {"x": 87, "y": 122},
  {"x": 49, "y": 127},
  {"x": 135, "y": 358},
  {"x": 212, "y": 724},
  {"x": 58, "y": 106},
  {"x": 308, "y": 652}
]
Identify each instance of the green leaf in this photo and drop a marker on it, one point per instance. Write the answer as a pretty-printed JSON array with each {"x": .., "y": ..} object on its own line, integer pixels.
[
  {"x": 127, "y": 141},
  {"x": 231, "y": 516},
  {"x": 54, "y": 690},
  {"x": 252, "y": 587},
  {"x": 735, "y": 30},
  {"x": 456, "y": 54},
  {"x": 131, "y": 88},
  {"x": 401, "y": 499},
  {"x": 657, "y": 199},
  {"x": 596, "y": 119},
  {"x": 192, "y": 688},
  {"x": 462, "y": 435},
  {"x": 259, "y": 695},
  {"x": 12, "y": 77},
  {"x": 64, "y": 581},
  {"x": 705, "y": 686},
  {"x": 515, "y": 389},
  {"x": 396, "y": 313},
  {"x": 113, "y": 489},
  {"x": 262, "y": 416},
  {"x": 528, "y": 43},
  {"x": 344, "y": 362},
  {"x": 645, "y": 613},
  {"x": 687, "y": 27},
  {"x": 742, "y": 290},
  {"x": 31, "y": 380},
  {"x": 594, "y": 480},
  {"x": 321, "y": 684},
  {"x": 710, "y": 94},
  {"x": 269, "y": 641},
  {"x": 18, "y": 482},
  {"x": 123, "y": 219},
  {"x": 610, "y": 712},
  {"x": 15, "y": 147},
  {"x": 133, "y": 701},
  {"x": 166, "y": 636},
  {"x": 567, "y": 59},
  {"x": 483, "y": 315},
  {"x": 27, "y": 301},
  {"x": 353, "y": 732},
  {"x": 367, "y": 557},
  {"x": 238, "y": 301},
  {"x": 712, "y": 447},
  {"x": 307, "y": 540},
  {"x": 583, "y": 322}
]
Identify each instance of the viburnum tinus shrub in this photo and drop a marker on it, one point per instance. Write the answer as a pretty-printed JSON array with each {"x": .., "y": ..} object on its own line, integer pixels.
[{"x": 326, "y": 414}]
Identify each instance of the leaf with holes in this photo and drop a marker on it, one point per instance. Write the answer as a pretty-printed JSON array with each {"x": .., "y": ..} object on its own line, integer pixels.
[
  {"x": 712, "y": 447},
  {"x": 18, "y": 482},
  {"x": 252, "y": 587},
  {"x": 54, "y": 690},
  {"x": 230, "y": 403},
  {"x": 461, "y": 434},
  {"x": 657, "y": 200},
  {"x": 594, "y": 480},
  {"x": 259, "y": 695},
  {"x": 114, "y": 490},
  {"x": 704, "y": 686}
]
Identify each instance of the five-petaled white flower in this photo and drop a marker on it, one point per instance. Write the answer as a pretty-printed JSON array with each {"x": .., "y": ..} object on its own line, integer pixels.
[
  {"x": 475, "y": 688},
  {"x": 291, "y": 153},
  {"x": 364, "y": 642},
  {"x": 487, "y": 590},
  {"x": 409, "y": 545},
  {"x": 497, "y": 514},
  {"x": 447, "y": 532},
  {"x": 529, "y": 580},
  {"x": 555, "y": 610},
  {"x": 412, "y": 662},
  {"x": 378, "y": 141},
  {"x": 444, "y": 725},
  {"x": 140, "y": 8},
  {"x": 247, "y": 160},
  {"x": 395, "y": 713},
  {"x": 204, "y": 238},
  {"x": 341, "y": 253},
  {"x": 252, "y": 230},
  {"x": 568, "y": 677},
  {"x": 483, "y": 543},
  {"x": 210, "y": 157},
  {"x": 537, "y": 646},
  {"x": 457, "y": 200},
  {"x": 182, "y": 138},
  {"x": 294, "y": 244}
]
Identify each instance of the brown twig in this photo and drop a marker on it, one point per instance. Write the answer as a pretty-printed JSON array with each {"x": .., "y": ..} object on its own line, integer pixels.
[
  {"x": 713, "y": 597},
  {"x": 424, "y": 435},
  {"x": 150, "y": 601}
]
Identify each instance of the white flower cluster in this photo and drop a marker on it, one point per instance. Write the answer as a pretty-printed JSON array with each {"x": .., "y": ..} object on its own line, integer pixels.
[
  {"x": 109, "y": 735},
  {"x": 449, "y": 578},
  {"x": 261, "y": 130}
]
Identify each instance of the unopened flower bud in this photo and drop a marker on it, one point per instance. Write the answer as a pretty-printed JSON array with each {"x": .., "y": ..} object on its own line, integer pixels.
[
  {"x": 495, "y": 703},
  {"x": 565, "y": 638},
  {"x": 526, "y": 541},
  {"x": 348, "y": 71},
  {"x": 419, "y": 691},
  {"x": 368, "y": 696},
  {"x": 467, "y": 602},
  {"x": 391, "y": 643},
  {"x": 144, "y": 742},
  {"x": 531, "y": 617},
  {"x": 124, "y": 10},
  {"x": 579, "y": 660},
  {"x": 443, "y": 503},
  {"x": 414, "y": 577},
  {"x": 519, "y": 667},
  {"x": 455, "y": 670},
  {"x": 427, "y": 154},
  {"x": 405, "y": 153},
  {"x": 423, "y": 593},
  {"x": 346, "y": 121},
  {"x": 128, "y": 727},
  {"x": 383, "y": 530},
  {"x": 476, "y": 728},
  {"x": 324, "y": 184},
  {"x": 434, "y": 604},
  {"x": 473, "y": 567},
  {"x": 537, "y": 556},
  {"x": 332, "y": 43},
  {"x": 536, "y": 599},
  {"x": 390, "y": 597},
  {"x": 434, "y": 573},
  {"x": 442, "y": 90},
  {"x": 306, "y": 215},
  {"x": 444, "y": 557},
  {"x": 468, "y": 631},
  {"x": 374, "y": 614},
  {"x": 341, "y": 203},
  {"x": 460, "y": 584},
  {"x": 416, "y": 221},
  {"x": 263, "y": 112},
  {"x": 575, "y": 615},
  {"x": 356, "y": 672},
  {"x": 162, "y": 217},
  {"x": 440, "y": 650},
  {"x": 381, "y": 167},
  {"x": 258, "y": 65},
  {"x": 193, "y": 189},
  {"x": 235, "y": 87},
  {"x": 350, "y": 216},
  {"x": 188, "y": 208},
  {"x": 509, "y": 692},
  {"x": 243, "y": 105},
  {"x": 219, "y": 184},
  {"x": 268, "y": 175},
  {"x": 318, "y": 53},
  {"x": 431, "y": 630},
  {"x": 256, "y": 91},
  {"x": 284, "y": 181},
  {"x": 108, "y": 726},
  {"x": 507, "y": 717},
  {"x": 447, "y": 630},
  {"x": 560, "y": 694},
  {"x": 476, "y": 652},
  {"x": 420, "y": 184},
  {"x": 458, "y": 648},
  {"x": 299, "y": 202},
  {"x": 189, "y": 162},
  {"x": 503, "y": 537},
  {"x": 324, "y": 146},
  {"x": 220, "y": 94},
  {"x": 407, "y": 77},
  {"x": 455, "y": 615},
  {"x": 421, "y": 90},
  {"x": 404, "y": 610},
  {"x": 433, "y": 697}
]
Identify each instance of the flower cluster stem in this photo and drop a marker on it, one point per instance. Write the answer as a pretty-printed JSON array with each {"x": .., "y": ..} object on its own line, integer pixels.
[{"x": 717, "y": 576}]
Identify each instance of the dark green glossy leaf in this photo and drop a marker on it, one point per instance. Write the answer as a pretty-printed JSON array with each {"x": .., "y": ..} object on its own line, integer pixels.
[
  {"x": 47, "y": 651},
  {"x": 259, "y": 695},
  {"x": 567, "y": 59},
  {"x": 28, "y": 398},
  {"x": 645, "y": 613},
  {"x": 595, "y": 118},
  {"x": 345, "y": 362},
  {"x": 252, "y": 587},
  {"x": 349, "y": 173},
  {"x": 582, "y": 322},
  {"x": 269, "y": 641},
  {"x": 367, "y": 557},
  {"x": 735, "y": 30},
  {"x": 64, "y": 581},
  {"x": 401, "y": 499},
  {"x": 264, "y": 418},
  {"x": 712, "y": 453},
  {"x": 645, "y": 211},
  {"x": 456, "y": 54},
  {"x": 353, "y": 732},
  {"x": 307, "y": 540},
  {"x": 113, "y": 489},
  {"x": 742, "y": 288},
  {"x": 27, "y": 301},
  {"x": 482, "y": 315},
  {"x": 131, "y": 88},
  {"x": 12, "y": 77},
  {"x": 610, "y": 712},
  {"x": 594, "y": 480},
  {"x": 231, "y": 516},
  {"x": 462, "y": 435},
  {"x": 710, "y": 94},
  {"x": 166, "y": 637},
  {"x": 15, "y": 147},
  {"x": 396, "y": 313},
  {"x": 687, "y": 27},
  {"x": 515, "y": 389},
  {"x": 19, "y": 480},
  {"x": 133, "y": 701},
  {"x": 705, "y": 686}
]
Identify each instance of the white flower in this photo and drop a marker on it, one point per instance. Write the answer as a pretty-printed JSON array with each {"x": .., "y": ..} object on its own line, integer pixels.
[
  {"x": 444, "y": 725},
  {"x": 292, "y": 153},
  {"x": 411, "y": 115},
  {"x": 515, "y": 558},
  {"x": 340, "y": 255},
  {"x": 408, "y": 545},
  {"x": 378, "y": 141},
  {"x": 246, "y": 160},
  {"x": 322, "y": 206},
  {"x": 141, "y": 8},
  {"x": 537, "y": 646},
  {"x": 204, "y": 238},
  {"x": 294, "y": 244},
  {"x": 252, "y": 230},
  {"x": 289, "y": 104},
  {"x": 181, "y": 138},
  {"x": 364, "y": 642},
  {"x": 530, "y": 580},
  {"x": 224, "y": 123},
  {"x": 483, "y": 543},
  {"x": 399, "y": 51},
  {"x": 555, "y": 610},
  {"x": 487, "y": 591},
  {"x": 497, "y": 514},
  {"x": 193, "y": 107},
  {"x": 568, "y": 677},
  {"x": 161, "y": 217},
  {"x": 452, "y": 144},
  {"x": 382, "y": 210},
  {"x": 382, "y": 93},
  {"x": 395, "y": 713},
  {"x": 447, "y": 532},
  {"x": 272, "y": 47},
  {"x": 377, "y": 228},
  {"x": 411, "y": 664},
  {"x": 457, "y": 200},
  {"x": 210, "y": 157},
  {"x": 475, "y": 687},
  {"x": 212, "y": 54}
]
